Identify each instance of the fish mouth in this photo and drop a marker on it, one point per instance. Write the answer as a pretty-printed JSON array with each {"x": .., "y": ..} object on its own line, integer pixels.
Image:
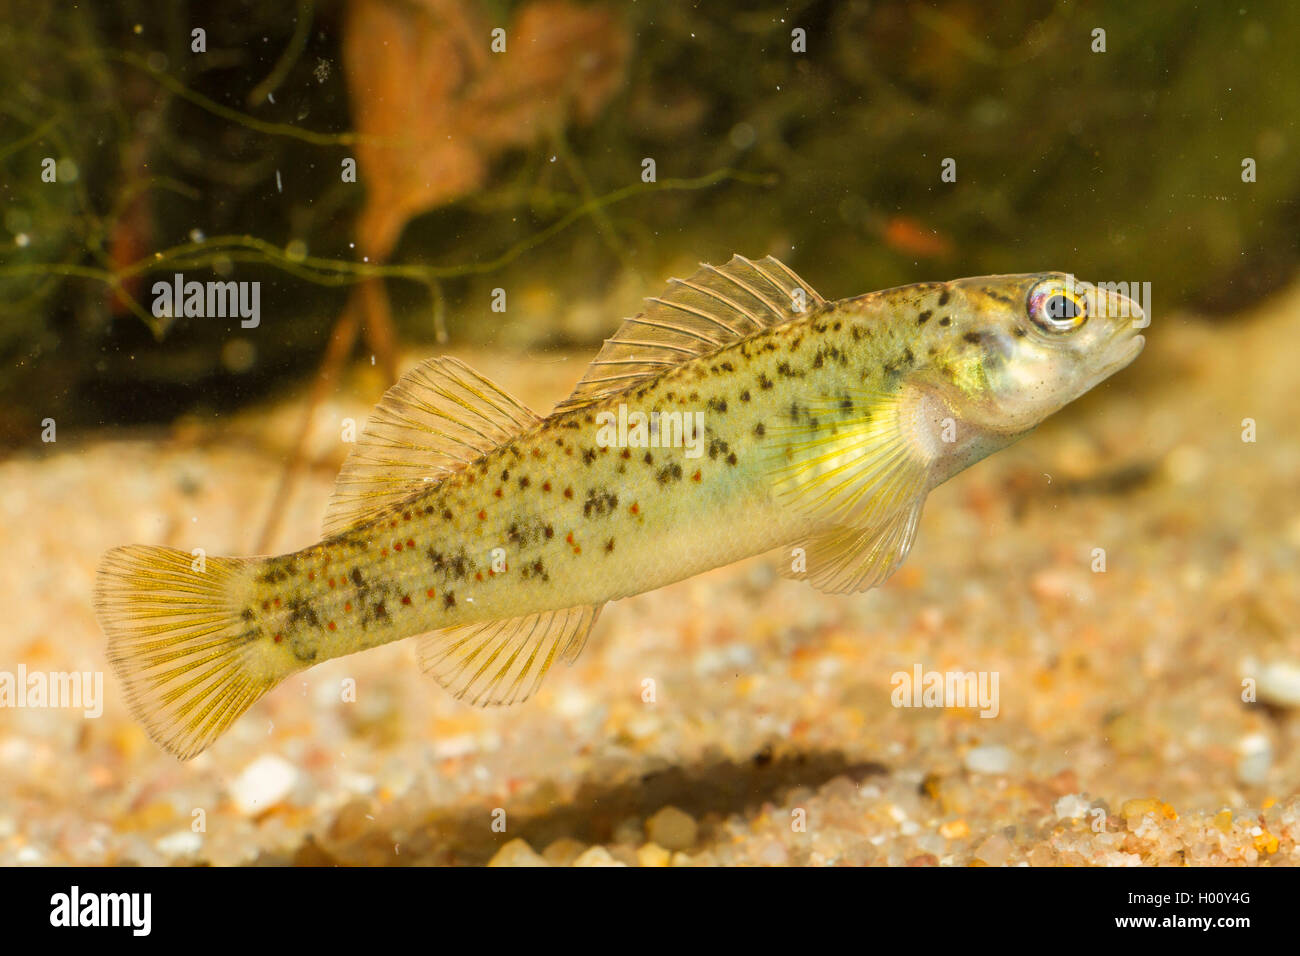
[{"x": 1121, "y": 357}]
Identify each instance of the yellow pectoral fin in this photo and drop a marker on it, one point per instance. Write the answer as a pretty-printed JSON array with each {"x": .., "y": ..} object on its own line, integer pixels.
[
  {"x": 854, "y": 470},
  {"x": 857, "y": 559}
]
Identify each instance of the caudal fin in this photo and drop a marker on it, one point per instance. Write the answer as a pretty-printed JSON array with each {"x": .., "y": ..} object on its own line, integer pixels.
[{"x": 178, "y": 642}]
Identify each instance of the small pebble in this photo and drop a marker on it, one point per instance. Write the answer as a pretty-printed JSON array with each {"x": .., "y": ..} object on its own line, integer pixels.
[
  {"x": 179, "y": 844},
  {"x": 564, "y": 851},
  {"x": 672, "y": 829},
  {"x": 1255, "y": 759},
  {"x": 517, "y": 853},
  {"x": 994, "y": 851},
  {"x": 262, "y": 784},
  {"x": 1279, "y": 683},
  {"x": 597, "y": 856},
  {"x": 652, "y": 854},
  {"x": 1071, "y": 807},
  {"x": 992, "y": 759}
]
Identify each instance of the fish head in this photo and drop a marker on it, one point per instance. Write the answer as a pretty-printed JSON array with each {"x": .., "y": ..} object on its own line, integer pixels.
[{"x": 1017, "y": 348}]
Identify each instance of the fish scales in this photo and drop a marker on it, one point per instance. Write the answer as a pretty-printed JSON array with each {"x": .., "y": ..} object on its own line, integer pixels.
[{"x": 824, "y": 425}]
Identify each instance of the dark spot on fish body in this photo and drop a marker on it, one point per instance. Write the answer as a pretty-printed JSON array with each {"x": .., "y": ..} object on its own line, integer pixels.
[
  {"x": 944, "y": 296},
  {"x": 301, "y": 648},
  {"x": 588, "y": 456},
  {"x": 669, "y": 473},
  {"x": 609, "y": 546},
  {"x": 357, "y": 579},
  {"x": 599, "y": 503},
  {"x": 449, "y": 599},
  {"x": 760, "y": 430},
  {"x": 718, "y": 405},
  {"x": 764, "y": 382},
  {"x": 924, "y": 317},
  {"x": 731, "y": 458},
  {"x": 972, "y": 337},
  {"x": 945, "y": 321},
  {"x": 744, "y": 395}
]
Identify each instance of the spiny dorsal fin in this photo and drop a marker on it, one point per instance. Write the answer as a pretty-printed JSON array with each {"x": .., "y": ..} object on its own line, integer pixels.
[
  {"x": 503, "y": 662},
  {"x": 437, "y": 418},
  {"x": 695, "y": 316},
  {"x": 850, "y": 467}
]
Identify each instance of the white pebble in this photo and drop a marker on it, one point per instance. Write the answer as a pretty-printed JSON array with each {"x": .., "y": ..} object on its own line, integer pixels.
[
  {"x": 178, "y": 844},
  {"x": 1071, "y": 807},
  {"x": 262, "y": 784},
  {"x": 1279, "y": 683},
  {"x": 991, "y": 759}
]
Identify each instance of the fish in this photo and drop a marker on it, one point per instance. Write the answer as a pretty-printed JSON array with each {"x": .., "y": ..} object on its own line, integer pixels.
[{"x": 738, "y": 413}]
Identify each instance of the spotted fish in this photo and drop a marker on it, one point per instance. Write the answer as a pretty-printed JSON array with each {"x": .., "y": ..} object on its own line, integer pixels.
[{"x": 738, "y": 413}]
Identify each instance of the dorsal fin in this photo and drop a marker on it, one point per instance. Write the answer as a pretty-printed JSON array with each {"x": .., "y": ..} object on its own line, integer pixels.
[
  {"x": 695, "y": 316},
  {"x": 437, "y": 418},
  {"x": 504, "y": 661}
]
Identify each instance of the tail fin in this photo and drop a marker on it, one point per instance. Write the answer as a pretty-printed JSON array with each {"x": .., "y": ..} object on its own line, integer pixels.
[{"x": 178, "y": 642}]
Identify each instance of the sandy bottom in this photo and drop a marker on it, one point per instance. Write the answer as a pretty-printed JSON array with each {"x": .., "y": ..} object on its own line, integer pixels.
[{"x": 769, "y": 735}]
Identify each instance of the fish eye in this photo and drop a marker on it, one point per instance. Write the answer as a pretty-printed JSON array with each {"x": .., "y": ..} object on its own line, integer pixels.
[{"x": 1056, "y": 306}]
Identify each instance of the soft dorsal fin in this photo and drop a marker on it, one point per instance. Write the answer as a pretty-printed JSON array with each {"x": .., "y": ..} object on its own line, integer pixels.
[
  {"x": 437, "y": 418},
  {"x": 503, "y": 662},
  {"x": 713, "y": 308}
]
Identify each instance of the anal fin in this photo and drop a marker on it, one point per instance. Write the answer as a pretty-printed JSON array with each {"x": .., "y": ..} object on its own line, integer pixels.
[{"x": 504, "y": 661}]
